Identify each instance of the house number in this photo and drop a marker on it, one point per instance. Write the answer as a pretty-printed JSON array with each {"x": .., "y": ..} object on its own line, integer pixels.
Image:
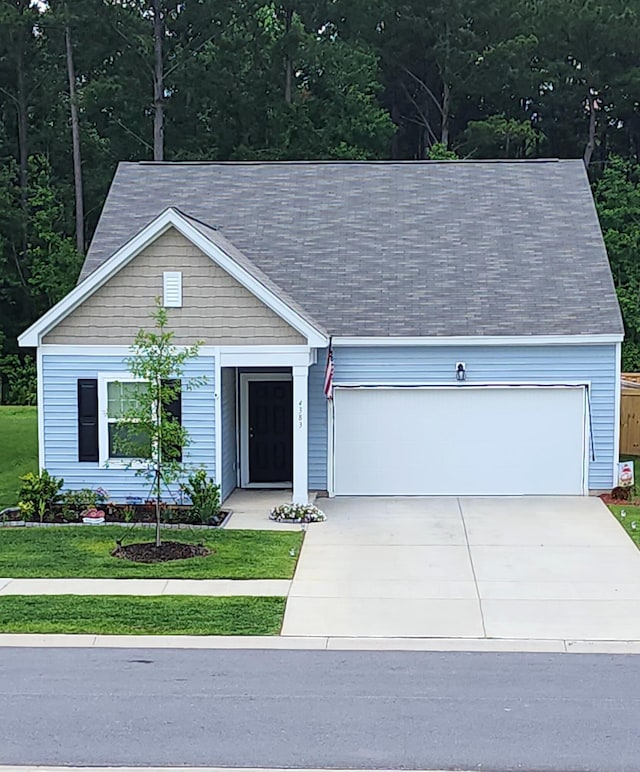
[{"x": 300, "y": 415}]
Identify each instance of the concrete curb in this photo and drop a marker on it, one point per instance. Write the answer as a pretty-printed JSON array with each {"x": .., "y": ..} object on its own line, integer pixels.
[
  {"x": 285, "y": 643},
  {"x": 46, "y": 768}
]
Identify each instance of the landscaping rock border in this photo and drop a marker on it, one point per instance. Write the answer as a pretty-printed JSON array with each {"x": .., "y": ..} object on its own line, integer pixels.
[{"x": 169, "y": 526}]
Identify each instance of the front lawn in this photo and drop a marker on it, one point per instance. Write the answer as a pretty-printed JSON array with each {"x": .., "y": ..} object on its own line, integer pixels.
[
  {"x": 630, "y": 522},
  {"x": 133, "y": 615},
  {"x": 18, "y": 449},
  {"x": 84, "y": 552}
]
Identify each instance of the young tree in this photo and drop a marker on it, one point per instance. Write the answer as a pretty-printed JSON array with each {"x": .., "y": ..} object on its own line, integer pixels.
[{"x": 147, "y": 430}]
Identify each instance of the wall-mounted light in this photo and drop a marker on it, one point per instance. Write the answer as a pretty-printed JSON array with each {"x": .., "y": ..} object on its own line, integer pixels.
[{"x": 461, "y": 372}]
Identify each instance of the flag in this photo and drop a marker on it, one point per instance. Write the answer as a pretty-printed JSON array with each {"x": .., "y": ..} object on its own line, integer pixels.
[{"x": 328, "y": 375}]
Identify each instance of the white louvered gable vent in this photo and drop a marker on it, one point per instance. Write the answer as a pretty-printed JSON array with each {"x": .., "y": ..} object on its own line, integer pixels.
[{"x": 172, "y": 289}]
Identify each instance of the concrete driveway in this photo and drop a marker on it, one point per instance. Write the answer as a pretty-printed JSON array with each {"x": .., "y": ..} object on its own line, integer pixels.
[{"x": 512, "y": 568}]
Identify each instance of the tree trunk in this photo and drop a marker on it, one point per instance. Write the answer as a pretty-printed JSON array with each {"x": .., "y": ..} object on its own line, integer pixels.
[
  {"x": 75, "y": 139},
  {"x": 446, "y": 109},
  {"x": 158, "y": 83},
  {"x": 158, "y": 485},
  {"x": 288, "y": 61},
  {"x": 591, "y": 140},
  {"x": 23, "y": 146},
  {"x": 158, "y": 454}
]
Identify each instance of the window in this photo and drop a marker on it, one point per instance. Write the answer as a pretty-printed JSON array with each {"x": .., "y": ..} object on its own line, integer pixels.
[
  {"x": 123, "y": 441},
  {"x": 118, "y": 441},
  {"x": 118, "y": 444}
]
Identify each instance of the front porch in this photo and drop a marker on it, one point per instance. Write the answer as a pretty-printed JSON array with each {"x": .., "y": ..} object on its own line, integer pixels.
[
  {"x": 251, "y": 509},
  {"x": 262, "y": 408}
]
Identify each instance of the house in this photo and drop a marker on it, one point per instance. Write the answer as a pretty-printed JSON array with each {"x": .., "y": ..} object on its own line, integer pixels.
[{"x": 469, "y": 307}]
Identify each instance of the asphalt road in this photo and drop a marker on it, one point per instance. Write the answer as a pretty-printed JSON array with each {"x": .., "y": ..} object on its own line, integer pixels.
[{"x": 320, "y": 709}]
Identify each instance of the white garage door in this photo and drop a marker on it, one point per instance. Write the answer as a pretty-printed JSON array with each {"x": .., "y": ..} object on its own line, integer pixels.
[{"x": 459, "y": 441}]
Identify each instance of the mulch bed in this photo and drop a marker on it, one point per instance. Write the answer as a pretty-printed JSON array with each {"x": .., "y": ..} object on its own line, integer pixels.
[
  {"x": 147, "y": 552},
  {"x": 609, "y": 499},
  {"x": 142, "y": 513}
]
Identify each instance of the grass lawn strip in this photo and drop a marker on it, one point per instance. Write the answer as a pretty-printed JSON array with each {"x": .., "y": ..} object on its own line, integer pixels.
[
  {"x": 18, "y": 450},
  {"x": 632, "y": 515},
  {"x": 84, "y": 552},
  {"x": 117, "y": 615}
]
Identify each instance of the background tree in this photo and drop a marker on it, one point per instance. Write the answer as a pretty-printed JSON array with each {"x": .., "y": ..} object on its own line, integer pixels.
[
  {"x": 618, "y": 200},
  {"x": 295, "y": 79}
]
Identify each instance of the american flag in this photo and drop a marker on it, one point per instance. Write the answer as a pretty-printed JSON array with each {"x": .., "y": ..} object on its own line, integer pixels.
[{"x": 328, "y": 375}]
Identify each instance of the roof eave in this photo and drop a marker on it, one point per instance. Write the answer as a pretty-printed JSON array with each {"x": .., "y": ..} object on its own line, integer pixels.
[{"x": 480, "y": 340}]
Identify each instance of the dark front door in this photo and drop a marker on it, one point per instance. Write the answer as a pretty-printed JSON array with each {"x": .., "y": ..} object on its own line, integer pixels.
[{"x": 270, "y": 431}]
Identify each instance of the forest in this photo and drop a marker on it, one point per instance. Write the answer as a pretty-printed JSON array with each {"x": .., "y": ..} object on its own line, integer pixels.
[{"x": 85, "y": 84}]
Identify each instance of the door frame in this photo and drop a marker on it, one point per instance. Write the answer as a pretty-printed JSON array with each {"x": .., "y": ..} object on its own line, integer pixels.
[
  {"x": 243, "y": 426},
  {"x": 587, "y": 426}
]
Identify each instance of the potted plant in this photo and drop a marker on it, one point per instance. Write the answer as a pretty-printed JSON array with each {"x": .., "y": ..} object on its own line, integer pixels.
[{"x": 93, "y": 516}]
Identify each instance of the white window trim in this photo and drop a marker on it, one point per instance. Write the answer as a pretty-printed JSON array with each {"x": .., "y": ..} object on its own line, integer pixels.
[{"x": 104, "y": 460}]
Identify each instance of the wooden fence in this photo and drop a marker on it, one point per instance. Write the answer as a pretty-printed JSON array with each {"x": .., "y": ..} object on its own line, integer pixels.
[{"x": 630, "y": 415}]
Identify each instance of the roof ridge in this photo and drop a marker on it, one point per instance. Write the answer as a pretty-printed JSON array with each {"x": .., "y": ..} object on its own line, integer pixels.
[{"x": 426, "y": 161}]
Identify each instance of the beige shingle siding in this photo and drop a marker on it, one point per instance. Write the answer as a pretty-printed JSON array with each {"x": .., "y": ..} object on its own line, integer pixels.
[{"x": 216, "y": 308}]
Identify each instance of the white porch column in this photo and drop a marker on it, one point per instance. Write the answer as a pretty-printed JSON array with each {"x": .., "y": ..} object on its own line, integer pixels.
[{"x": 300, "y": 435}]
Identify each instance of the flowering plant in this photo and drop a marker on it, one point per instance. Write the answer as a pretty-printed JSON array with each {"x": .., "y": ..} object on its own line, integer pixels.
[
  {"x": 302, "y": 513},
  {"x": 102, "y": 496}
]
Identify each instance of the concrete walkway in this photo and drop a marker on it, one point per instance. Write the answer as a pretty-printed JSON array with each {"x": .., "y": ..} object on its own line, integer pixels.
[
  {"x": 250, "y": 509},
  {"x": 204, "y": 587},
  {"x": 500, "y": 568}
]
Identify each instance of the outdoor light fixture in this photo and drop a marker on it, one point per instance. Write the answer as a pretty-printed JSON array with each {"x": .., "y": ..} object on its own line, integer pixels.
[{"x": 461, "y": 372}]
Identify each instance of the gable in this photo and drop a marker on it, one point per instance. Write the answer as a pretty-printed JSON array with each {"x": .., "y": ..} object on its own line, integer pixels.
[{"x": 216, "y": 308}]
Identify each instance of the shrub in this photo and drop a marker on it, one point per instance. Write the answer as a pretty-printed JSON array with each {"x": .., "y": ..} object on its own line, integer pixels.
[
  {"x": 204, "y": 495},
  {"x": 303, "y": 513},
  {"x": 39, "y": 492},
  {"x": 17, "y": 380}
]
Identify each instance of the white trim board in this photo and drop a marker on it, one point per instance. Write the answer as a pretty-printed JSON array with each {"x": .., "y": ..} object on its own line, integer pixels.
[
  {"x": 42, "y": 459},
  {"x": 217, "y": 415},
  {"x": 170, "y": 218},
  {"x": 230, "y": 356},
  {"x": 460, "y": 385},
  {"x": 243, "y": 422},
  {"x": 480, "y": 340},
  {"x": 616, "y": 419}
]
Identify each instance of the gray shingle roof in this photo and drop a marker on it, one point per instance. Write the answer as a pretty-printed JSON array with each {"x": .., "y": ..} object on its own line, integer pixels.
[{"x": 396, "y": 249}]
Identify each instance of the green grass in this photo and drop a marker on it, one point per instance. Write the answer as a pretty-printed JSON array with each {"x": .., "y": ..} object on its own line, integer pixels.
[
  {"x": 632, "y": 515},
  {"x": 133, "y": 615},
  {"x": 84, "y": 552},
  {"x": 18, "y": 449}
]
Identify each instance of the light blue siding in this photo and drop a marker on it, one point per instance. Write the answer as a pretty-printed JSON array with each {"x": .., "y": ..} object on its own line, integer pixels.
[
  {"x": 60, "y": 375},
  {"x": 354, "y": 365},
  {"x": 595, "y": 364},
  {"x": 229, "y": 455},
  {"x": 318, "y": 418}
]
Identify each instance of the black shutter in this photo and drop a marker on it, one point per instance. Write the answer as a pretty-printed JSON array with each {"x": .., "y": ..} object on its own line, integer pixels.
[
  {"x": 87, "y": 419},
  {"x": 174, "y": 409}
]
